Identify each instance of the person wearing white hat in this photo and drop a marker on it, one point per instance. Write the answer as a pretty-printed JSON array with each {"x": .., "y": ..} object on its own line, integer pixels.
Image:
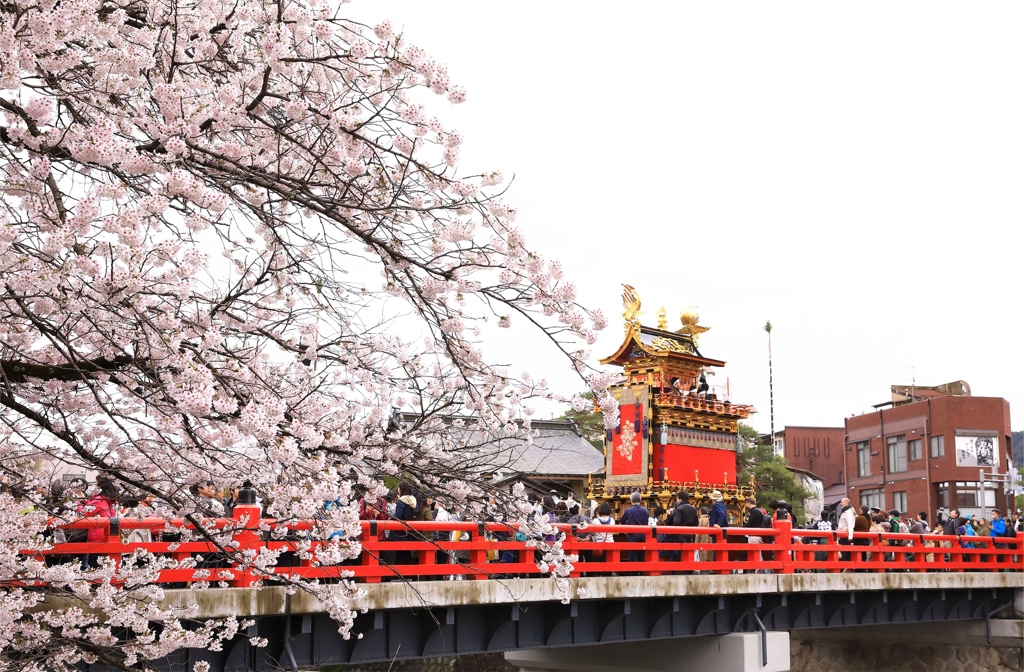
[{"x": 718, "y": 518}]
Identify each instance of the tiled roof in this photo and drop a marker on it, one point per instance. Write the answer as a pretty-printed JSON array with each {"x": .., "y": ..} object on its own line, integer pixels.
[
  {"x": 554, "y": 451},
  {"x": 557, "y": 448}
]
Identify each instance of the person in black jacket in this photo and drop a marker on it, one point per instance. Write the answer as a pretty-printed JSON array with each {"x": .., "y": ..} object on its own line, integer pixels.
[
  {"x": 951, "y": 528},
  {"x": 405, "y": 510},
  {"x": 683, "y": 515},
  {"x": 637, "y": 514},
  {"x": 754, "y": 519},
  {"x": 953, "y": 523}
]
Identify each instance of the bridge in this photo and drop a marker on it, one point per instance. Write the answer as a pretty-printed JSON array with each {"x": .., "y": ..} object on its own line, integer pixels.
[{"x": 745, "y": 598}]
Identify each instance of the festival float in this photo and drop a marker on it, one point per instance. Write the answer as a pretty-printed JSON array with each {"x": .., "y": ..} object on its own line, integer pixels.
[{"x": 674, "y": 431}]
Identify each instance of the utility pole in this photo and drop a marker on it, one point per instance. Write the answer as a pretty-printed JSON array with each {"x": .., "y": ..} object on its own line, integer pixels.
[{"x": 771, "y": 386}]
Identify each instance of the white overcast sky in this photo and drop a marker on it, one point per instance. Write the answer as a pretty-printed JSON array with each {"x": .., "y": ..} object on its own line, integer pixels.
[{"x": 850, "y": 171}]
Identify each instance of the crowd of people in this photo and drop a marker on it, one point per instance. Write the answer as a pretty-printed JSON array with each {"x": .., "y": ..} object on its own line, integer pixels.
[
  {"x": 68, "y": 500},
  {"x": 850, "y": 519}
]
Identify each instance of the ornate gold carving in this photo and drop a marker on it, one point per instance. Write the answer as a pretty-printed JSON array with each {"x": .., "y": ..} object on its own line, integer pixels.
[
  {"x": 662, "y": 321},
  {"x": 629, "y": 442},
  {"x": 667, "y": 344},
  {"x": 690, "y": 319}
]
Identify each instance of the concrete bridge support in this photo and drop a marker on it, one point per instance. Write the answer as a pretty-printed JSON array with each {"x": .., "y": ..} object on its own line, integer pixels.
[{"x": 739, "y": 652}]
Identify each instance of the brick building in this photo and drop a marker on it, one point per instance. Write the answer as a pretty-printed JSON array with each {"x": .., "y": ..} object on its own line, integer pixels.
[
  {"x": 930, "y": 447},
  {"x": 818, "y": 450}
]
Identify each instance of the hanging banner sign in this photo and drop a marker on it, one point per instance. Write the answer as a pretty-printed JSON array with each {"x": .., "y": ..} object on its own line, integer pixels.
[{"x": 627, "y": 458}]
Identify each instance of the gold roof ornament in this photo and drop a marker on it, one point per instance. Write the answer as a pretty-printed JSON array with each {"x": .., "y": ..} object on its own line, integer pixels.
[
  {"x": 662, "y": 321},
  {"x": 690, "y": 319},
  {"x": 631, "y": 306}
]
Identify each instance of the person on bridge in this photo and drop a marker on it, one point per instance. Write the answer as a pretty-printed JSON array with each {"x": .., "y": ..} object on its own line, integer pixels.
[
  {"x": 862, "y": 523},
  {"x": 997, "y": 530},
  {"x": 103, "y": 504},
  {"x": 604, "y": 517},
  {"x": 441, "y": 515},
  {"x": 637, "y": 514},
  {"x": 683, "y": 515},
  {"x": 920, "y": 526},
  {"x": 951, "y": 528},
  {"x": 704, "y": 539},
  {"x": 719, "y": 519},
  {"x": 845, "y": 528},
  {"x": 208, "y": 501},
  {"x": 754, "y": 519},
  {"x": 405, "y": 510}
]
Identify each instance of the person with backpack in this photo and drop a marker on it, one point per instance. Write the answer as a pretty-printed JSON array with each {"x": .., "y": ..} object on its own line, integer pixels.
[
  {"x": 405, "y": 511},
  {"x": 719, "y": 519},
  {"x": 683, "y": 515},
  {"x": 998, "y": 529},
  {"x": 895, "y": 527},
  {"x": 756, "y": 518},
  {"x": 603, "y": 516}
]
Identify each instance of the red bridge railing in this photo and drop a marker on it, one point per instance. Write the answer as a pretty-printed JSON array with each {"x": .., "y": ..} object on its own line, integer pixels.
[{"x": 493, "y": 551}]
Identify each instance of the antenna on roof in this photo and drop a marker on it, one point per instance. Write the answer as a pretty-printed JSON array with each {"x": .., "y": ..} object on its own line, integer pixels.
[{"x": 913, "y": 379}]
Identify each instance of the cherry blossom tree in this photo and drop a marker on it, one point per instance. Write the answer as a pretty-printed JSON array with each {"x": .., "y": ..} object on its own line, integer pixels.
[{"x": 232, "y": 239}]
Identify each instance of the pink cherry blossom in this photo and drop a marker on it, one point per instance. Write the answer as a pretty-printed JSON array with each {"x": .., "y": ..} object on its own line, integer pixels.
[
  {"x": 231, "y": 241},
  {"x": 384, "y": 31}
]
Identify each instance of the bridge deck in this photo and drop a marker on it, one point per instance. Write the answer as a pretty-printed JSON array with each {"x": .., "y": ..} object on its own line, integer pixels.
[{"x": 275, "y": 600}]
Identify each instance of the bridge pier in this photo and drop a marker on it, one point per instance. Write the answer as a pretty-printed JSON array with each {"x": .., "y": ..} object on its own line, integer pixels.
[{"x": 738, "y": 652}]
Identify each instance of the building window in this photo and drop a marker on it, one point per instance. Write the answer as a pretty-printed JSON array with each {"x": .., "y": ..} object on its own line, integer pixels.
[
  {"x": 942, "y": 495},
  {"x": 899, "y": 501},
  {"x": 938, "y": 445},
  {"x": 873, "y": 499},
  {"x": 863, "y": 459},
  {"x": 969, "y": 496},
  {"x": 897, "y": 453},
  {"x": 914, "y": 447}
]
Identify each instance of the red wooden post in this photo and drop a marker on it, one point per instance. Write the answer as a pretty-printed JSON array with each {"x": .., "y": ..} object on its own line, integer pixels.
[
  {"x": 246, "y": 538},
  {"x": 113, "y": 536},
  {"x": 478, "y": 559},
  {"x": 178, "y": 555},
  {"x": 721, "y": 550},
  {"x": 371, "y": 551}
]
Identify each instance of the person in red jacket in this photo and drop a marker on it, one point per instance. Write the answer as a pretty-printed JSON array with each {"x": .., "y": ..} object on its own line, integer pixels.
[{"x": 102, "y": 505}]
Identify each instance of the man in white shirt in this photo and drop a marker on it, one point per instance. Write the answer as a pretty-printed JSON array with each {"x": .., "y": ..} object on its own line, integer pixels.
[
  {"x": 847, "y": 521},
  {"x": 441, "y": 515}
]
